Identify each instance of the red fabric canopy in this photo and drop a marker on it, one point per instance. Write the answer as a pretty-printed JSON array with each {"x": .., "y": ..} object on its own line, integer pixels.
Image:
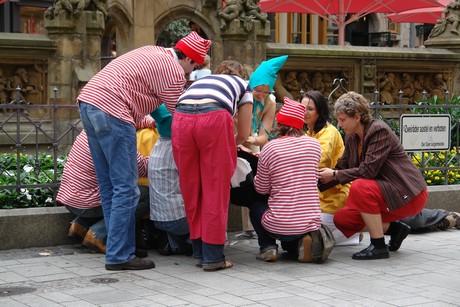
[
  {"x": 422, "y": 15},
  {"x": 337, "y": 10}
]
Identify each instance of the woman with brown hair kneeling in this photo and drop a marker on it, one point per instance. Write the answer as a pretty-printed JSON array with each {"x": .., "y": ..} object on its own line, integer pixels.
[
  {"x": 288, "y": 171},
  {"x": 386, "y": 184}
]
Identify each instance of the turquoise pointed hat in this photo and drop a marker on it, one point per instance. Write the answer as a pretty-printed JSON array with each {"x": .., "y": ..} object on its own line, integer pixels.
[{"x": 266, "y": 73}]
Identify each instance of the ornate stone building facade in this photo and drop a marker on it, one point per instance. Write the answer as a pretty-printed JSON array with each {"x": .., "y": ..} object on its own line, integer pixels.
[{"x": 79, "y": 32}]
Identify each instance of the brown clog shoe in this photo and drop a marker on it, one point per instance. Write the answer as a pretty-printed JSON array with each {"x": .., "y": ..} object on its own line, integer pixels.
[
  {"x": 77, "y": 232},
  {"x": 92, "y": 242}
]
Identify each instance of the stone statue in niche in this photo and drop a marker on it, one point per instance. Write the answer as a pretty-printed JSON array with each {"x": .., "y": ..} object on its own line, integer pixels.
[
  {"x": 74, "y": 8},
  {"x": 244, "y": 10},
  {"x": 450, "y": 15},
  {"x": 229, "y": 12},
  {"x": 407, "y": 88},
  {"x": 388, "y": 88},
  {"x": 19, "y": 86},
  {"x": 291, "y": 84},
  {"x": 304, "y": 81},
  {"x": 317, "y": 82},
  {"x": 280, "y": 90},
  {"x": 438, "y": 87},
  {"x": 419, "y": 87},
  {"x": 412, "y": 86},
  {"x": 252, "y": 11}
]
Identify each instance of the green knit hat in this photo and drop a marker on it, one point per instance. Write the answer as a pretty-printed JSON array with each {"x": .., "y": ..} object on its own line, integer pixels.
[{"x": 265, "y": 74}]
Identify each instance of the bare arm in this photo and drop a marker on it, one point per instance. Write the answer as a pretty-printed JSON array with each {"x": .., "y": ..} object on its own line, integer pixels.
[
  {"x": 267, "y": 121},
  {"x": 244, "y": 117}
]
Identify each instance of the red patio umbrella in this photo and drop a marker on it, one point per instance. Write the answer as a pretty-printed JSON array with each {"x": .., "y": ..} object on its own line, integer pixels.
[
  {"x": 423, "y": 15},
  {"x": 337, "y": 10}
]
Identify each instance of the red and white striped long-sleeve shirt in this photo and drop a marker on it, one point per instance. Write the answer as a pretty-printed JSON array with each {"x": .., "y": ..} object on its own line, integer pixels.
[
  {"x": 288, "y": 171},
  {"x": 79, "y": 188},
  {"x": 136, "y": 83}
]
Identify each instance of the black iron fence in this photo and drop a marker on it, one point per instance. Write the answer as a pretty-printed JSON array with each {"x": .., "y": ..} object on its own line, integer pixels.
[
  {"x": 34, "y": 141},
  {"x": 33, "y": 148},
  {"x": 439, "y": 167}
]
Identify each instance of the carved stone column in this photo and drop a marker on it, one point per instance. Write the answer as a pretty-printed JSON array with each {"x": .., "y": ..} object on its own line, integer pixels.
[
  {"x": 248, "y": 47},
  {"x": 77, "y": 58},
  {"x": 368, "y": 75}
]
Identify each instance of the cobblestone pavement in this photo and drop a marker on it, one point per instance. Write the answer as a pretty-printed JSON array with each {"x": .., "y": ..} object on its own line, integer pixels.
[{"x": 424, "y": 272}]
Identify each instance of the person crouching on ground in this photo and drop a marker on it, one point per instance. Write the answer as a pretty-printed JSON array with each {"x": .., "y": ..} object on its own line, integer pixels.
[
  {"x": 79, "y": 193},
  {"x": 317, "y": 121},
  {"x": 167, "y": 209},
  {"x": 288, "y": 171},
  {"x": 386, "y": 186},
  {"x": 123, "y": 92}
]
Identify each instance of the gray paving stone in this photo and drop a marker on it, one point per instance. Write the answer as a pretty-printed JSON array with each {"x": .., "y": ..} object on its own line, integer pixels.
[
  {"x": 233, "y": 300},
  {"x": 36, "y": 269},
  {"x": 11, "y": 277},
  {"x": 34, "y": 300},
  {"x": 78, "y": 304},
  {"x": 107, "y": 297},
  {"x": 57, "y": 297},
  {"x": 200, "y": 300},
  {"x": 423, "y": 273},
  {"x": 10, "y": 303},
  {"x": 165, "y": 300},
  {"x": 411, "y": 301}
]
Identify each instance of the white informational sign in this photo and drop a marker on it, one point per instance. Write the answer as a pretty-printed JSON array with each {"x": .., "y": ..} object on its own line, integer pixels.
[{"x": 425, "y": 132}]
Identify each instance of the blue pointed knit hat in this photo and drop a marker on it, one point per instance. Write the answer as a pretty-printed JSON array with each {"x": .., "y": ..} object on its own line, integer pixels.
[{"x": 266, "y": 73}]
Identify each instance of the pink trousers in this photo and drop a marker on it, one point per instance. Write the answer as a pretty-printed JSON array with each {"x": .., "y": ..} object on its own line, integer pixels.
[{"x": 205, "y": 154}]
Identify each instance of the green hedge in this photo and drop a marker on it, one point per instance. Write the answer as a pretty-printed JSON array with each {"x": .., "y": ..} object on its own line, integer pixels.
[{"x": 33, "y": 170}]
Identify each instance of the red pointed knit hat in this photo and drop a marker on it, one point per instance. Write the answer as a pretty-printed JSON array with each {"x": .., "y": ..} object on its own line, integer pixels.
[
  {"x": 194, "y": 47},
  {"x": 292, "y": 114}
]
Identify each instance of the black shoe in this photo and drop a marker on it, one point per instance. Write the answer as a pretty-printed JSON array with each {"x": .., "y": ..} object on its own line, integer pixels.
[
  {"x": 397, "y": 239},
  {"x": 141, "y": 253},
  {"x": 164, "y": 249},
  {"x": 135, "y": 264},
  {"x": 372, "y": 252}
]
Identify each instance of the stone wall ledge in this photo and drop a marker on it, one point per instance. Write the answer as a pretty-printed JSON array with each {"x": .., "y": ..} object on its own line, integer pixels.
[{"x": 40, "y": 227}]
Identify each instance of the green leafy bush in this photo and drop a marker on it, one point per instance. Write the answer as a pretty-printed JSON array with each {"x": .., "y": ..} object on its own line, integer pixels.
[
  {"x": 439, "y": 160},
  {"x": 32, "y": 170}
]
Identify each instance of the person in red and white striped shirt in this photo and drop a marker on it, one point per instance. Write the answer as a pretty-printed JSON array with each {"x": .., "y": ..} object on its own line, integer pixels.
[
  {"x": 288, "y": 171},
  {"x": 79, "y": 193},
  {"x": 127, "y": 89}
]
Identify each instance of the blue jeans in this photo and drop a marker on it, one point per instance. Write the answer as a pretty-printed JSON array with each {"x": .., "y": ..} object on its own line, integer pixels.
[
  {"x": 178, "y": 233},
  {"x": 266, "y": 239},
  {"x": 208, "y": 253},
  {"x": 113, "y": 148},
  {"x": 86, "y": 217},
  {"x": 100, "y": 230}
]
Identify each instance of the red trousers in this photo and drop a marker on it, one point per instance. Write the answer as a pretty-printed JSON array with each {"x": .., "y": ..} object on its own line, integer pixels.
[
  {"x": 365, "y": 196},
  {"x": 204, "y": 150}
]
